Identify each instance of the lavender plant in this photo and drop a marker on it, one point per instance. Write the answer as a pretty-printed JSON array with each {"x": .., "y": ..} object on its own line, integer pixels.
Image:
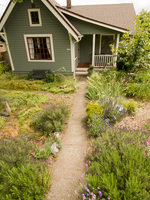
[{"x": 119, "y": 168}]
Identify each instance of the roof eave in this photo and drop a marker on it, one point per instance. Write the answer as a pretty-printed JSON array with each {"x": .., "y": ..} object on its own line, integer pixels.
[
  {"x": 6, "y": 14},
  {"x": 81, "y": 17}
]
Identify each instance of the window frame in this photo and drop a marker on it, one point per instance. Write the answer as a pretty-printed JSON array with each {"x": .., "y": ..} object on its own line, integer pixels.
[
  {"x": 30, "y": 19},
  {"x": 26, "y": 36},
  {"x": 100, "y": 43}
]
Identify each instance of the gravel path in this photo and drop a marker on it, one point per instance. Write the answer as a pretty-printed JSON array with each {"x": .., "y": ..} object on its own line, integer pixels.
[
  {"x": 69, "y": 166},
  {"x": 136, "y": 122}
]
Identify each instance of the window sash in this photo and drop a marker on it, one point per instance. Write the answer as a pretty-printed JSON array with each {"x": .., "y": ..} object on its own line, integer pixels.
[
  {"x": 34, "y": 17},
  {"x": 39, "y": 48}
]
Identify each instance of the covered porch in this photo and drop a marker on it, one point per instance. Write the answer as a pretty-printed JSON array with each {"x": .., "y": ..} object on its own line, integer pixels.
[{"x": 95, "y": 50}]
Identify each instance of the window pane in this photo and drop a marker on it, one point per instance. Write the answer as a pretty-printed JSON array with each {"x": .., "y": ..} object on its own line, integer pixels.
[
  {"x": 35, "y": 17},
  {"x": 107, "y": 40},
  {"x": 39, "y": 48}
]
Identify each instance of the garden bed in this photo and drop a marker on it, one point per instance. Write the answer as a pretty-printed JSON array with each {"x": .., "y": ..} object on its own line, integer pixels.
[
  {"x": 117, "y": 167},
  {"x": 34, "y": 129}
]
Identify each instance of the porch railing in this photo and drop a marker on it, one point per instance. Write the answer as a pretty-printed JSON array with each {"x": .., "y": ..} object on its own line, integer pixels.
[{"x": 103, "y": 60}]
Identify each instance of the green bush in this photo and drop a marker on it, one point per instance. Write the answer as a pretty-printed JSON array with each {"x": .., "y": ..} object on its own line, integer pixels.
[
  {"x": 4, "y": 68},
  {"x": 131, "y": 107},
  {"x": 42, "y": 153},
  {"x": 90, "y": 70},
  {"x": 119, "y": 167},
  {"x": 93, "y": 108},
  {"x": 51, "y": 120},
  {"x": 96, "y": 126},
  {"x": 142, "y": 77},
  {"x": 133, "y": 51},
  {"x": 138, "y": 90},
  {"x": 20, "y": 176}
]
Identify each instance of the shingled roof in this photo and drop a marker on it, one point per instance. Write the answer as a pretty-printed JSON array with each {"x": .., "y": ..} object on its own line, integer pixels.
[{"x": 118, "y": 15}]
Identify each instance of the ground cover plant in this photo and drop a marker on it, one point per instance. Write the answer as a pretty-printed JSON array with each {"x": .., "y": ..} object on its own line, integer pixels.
[
  {"x": 119, "y": 167},
  {"x": 63, "y": 85},
  {"x": 17, "y": 100},
  {"x": 21, "y": 177}
]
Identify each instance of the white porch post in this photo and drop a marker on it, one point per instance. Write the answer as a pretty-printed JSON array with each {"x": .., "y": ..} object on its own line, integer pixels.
[
  {"x": 8, "y": 49},
  {"x": 93, "y": 51},
  {"x": 72, "y": 48},
  {"x": 117, "y": 45}
]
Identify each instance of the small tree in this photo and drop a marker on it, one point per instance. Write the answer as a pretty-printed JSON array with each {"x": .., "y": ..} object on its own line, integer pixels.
[{"x": 134, "y": 50}]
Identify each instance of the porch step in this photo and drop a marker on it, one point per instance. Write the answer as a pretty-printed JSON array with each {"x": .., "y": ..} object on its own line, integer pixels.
[{"x": 81, "y": 71}]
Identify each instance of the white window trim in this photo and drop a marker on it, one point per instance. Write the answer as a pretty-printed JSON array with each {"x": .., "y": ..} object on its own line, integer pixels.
[
  {"x": 39, "y": 35},
  {"x": 30, "y": 20},
  {"x": 100, "y": 44}
]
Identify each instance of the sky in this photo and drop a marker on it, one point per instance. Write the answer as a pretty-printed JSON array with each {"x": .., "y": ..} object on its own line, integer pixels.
[{"x": 138, "y": 4}]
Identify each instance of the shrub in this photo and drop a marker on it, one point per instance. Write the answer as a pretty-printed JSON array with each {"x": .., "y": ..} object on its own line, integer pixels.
[
  {"x": 29, "y": 181},
  {"x": 112, "y": 111},
  {"x": 131, "y": 107},
  {"x": 119, "y": 167},
  {"x": 142, "y": 77},
  {"x": 43, "y": 153},
  {"x": 20, "y": 176},
  {"x": 133, "y": 52},
  {"x": 138, "y": 90},
  {"x": 4, "y": 68},
  {"x": 51, "y": 120},
  {"x": 96, "y": 126},
  {"x": 90, "y": 70},
  {"x": 94, "y": 108}
]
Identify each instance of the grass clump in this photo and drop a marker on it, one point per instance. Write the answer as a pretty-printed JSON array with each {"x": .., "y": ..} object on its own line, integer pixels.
[
  {"x": 131, "y": 107},
  {"x": 119, "y": 168},
  {"x": 51, "y": 120},
  {"x": 104, "y": 84},
  {"x": 20, "y": 176}
]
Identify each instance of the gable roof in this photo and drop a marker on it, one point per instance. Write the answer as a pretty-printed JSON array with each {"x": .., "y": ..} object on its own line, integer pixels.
[
  {"x": 51, "y": 5},
  {"x": 119, "y": 16}
]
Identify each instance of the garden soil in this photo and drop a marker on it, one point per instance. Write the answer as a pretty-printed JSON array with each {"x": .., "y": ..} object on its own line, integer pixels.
[
  {"x": 136, "y": 122},
  {"x": 69, "y": 167}
]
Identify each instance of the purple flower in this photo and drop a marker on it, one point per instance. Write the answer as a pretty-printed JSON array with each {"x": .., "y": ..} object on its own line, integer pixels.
[
  {"x": 100, "y": 194},
  {"x": 83, "y": 196},
  {"x": 75, "y": 192},
  {"x": 86, "y": 165}
]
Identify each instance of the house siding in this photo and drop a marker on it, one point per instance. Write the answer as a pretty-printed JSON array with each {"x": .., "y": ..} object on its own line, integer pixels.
[
  {"x": 88, "y": 28},
  {"x": 18, "y": 24}
]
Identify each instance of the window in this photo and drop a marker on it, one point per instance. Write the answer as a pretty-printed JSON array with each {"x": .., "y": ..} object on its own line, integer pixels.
[
  {"x": 34, "y": 17},
  {"x": 39, "y": 48},
  {"x": 105, "y": 42}
]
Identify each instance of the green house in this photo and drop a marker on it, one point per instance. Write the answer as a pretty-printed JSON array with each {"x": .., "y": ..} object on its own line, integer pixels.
[{"x": 42, "y": 35}]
